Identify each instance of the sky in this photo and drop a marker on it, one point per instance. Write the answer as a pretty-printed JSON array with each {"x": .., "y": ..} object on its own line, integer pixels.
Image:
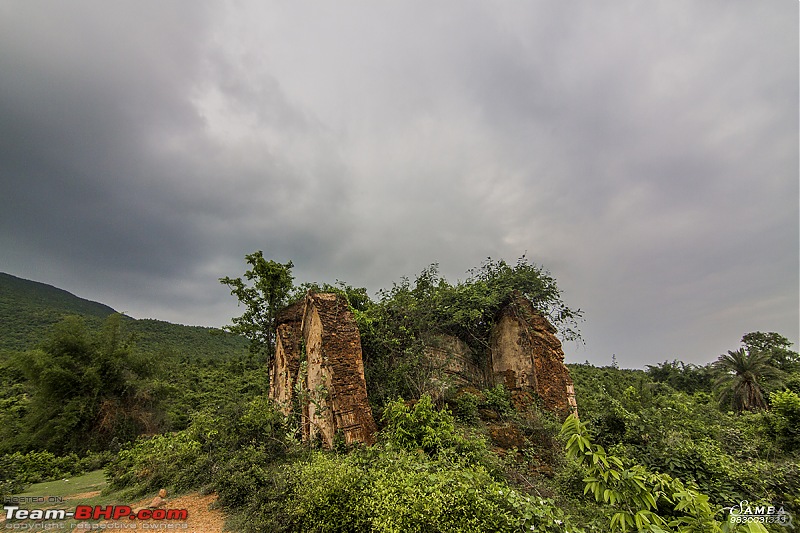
[{"x": 644, "y": 153}]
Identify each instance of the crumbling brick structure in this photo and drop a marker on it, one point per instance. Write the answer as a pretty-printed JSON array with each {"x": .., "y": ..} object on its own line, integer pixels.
[
  {"x": 526, "y": 354},
  {"x": 286, "y": 361},
  {"x": 451, "y": 365},
  {"x": 318, "y": 353}
]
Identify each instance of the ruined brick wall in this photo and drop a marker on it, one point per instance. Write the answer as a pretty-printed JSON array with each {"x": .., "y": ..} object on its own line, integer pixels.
[
  {"x": 286, "y": 362},
  {"x": 512, "y": 351},
  {"x": 525, "y": 353},
  {"x": 317, "y": 419},
  {"x": 335, "y": 391},
  {"x": 452, "y": 365}
]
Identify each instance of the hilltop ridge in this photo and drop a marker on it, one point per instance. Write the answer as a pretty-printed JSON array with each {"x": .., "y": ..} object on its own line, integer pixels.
[{"x": 29, "y": 309}]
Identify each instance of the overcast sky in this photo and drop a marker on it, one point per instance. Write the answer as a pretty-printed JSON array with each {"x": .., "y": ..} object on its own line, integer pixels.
[{"x": 645, "y": 153}]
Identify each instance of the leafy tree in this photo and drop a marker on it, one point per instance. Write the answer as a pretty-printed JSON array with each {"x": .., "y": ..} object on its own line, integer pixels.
[
  {"x": 680, "y": 376},
  {"x": 776, "y": 347},
  {"x": 786, "y": 406},
  {"x": 87, "y": 389},
  {"x": 489, "y": 286},
  {"x": 268, "y": 293},
  {"x": 740, "y": 383}
]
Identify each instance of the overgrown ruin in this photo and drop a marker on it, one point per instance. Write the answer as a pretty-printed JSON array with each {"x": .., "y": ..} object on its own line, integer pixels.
[
  {"x": 286, "y": 361},
  {"x": 318, "y": 369},
  {"x": 451, "y": 364},
  {"x": 526, "y": 354}
]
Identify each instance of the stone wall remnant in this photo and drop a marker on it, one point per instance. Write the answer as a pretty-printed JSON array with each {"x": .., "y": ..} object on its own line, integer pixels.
[
  {"x": 286, "y": 361},
  {"x": 452, "y": 365},
  {"x": 526, "y": 354},
  {"x": 318, "y": 353}
]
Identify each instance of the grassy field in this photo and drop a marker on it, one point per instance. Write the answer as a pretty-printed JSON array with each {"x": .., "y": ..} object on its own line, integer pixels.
[
  {"x": 87, "y": 489},
  {"x": 80, "y": 490},
  {"x": 63, "y": 494}
]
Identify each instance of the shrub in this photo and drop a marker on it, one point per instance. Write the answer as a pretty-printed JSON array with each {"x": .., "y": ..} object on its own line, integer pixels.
[
  {"x": 151, "y": 463},
  {"x": 199, "y": 455},
  {"x": 387, "y": 491},
  {"x": 328, "y": 494},
  {"x": 22, "y": 469},
  {"x": 786, "y": 405},
  {"x": 242, "y": 475},
  {"x": 420, "y": 426},
  {"x": 407, "y": 494},
  {"x": 498, "y": 398},
  {"x": 465, "y": 407},
  {"x": 639, "y": 498}
]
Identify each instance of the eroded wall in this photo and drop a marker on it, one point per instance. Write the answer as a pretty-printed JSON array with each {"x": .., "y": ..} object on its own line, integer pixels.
[
  {"x": 331, "y": 373},
  {"x": 525, "y": 353},
  {"x": 318, "y": 351},
  {"x": 451, "y": 365},
  {"x": 286, "y": 361}
]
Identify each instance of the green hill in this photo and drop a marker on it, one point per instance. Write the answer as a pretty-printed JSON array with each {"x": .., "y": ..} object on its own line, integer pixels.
[
  {"x": 177, "y": 369},
  {"x": 28, "y": 310}
]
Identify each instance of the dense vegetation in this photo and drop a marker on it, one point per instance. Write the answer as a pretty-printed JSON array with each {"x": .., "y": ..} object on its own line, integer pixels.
[
  {"x": 29, "y": 310},
  {"x": 665, "y": 448},
  {"x": 396, "y": 328},
  {"x": 75, "y": 377}
]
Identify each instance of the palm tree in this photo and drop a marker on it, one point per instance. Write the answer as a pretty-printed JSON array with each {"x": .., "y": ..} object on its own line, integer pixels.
[{"x": 739, "y": 383}]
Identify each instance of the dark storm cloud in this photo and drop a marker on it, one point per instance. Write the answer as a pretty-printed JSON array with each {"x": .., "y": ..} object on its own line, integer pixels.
[
  {"x": 645, "y": 153},
  {"x": 107, "y": 163},
  {"x": 82, "y": 90}
]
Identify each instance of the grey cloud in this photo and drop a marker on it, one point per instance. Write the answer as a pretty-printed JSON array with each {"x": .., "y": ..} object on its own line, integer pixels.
[{"x": 647, "y": 155}]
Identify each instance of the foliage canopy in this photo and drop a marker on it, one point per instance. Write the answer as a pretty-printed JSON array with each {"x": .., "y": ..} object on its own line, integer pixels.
[
  {"x": 741, "y": 377},
  {"x": 268, "y": 291},
  {"x": 410, "y": 316},
  {"x": 87, "y": 389}
]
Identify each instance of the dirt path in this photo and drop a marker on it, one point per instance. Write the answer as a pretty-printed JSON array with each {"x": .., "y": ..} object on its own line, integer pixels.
[
  {"x": 200, "y": 519},
  {"x": 66, "y": 495}
]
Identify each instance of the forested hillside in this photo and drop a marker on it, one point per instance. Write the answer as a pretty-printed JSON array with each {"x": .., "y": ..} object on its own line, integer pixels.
[
  {"x": 29, "y": 310},
  {"x": 76, "y": 376},
  {"x": 668, "y": 448}
]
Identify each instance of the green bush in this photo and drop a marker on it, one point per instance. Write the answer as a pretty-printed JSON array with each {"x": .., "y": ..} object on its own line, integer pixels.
[
  {"x": 465, "y": 407},
  {"x": 421, "y": 426},
  {"x": 22, "y": 469},
  {"x": 152, "y": 463},
  {"x": 328, "y": 494},
  {"x": 786, "y": 405},
  {"x": 204, "y": 454},
  {"x": 242, "y": 475},
  {"x": 408, "y": 496},
  {"x": 498, "y": 398},
  {"x": 639, "y": 498},
  {"x": 256, "y": 423},
  {"x": 782, "y": 481},
  {"x": 701, "y": 461},
  {"x": 386, "y": 491}
]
